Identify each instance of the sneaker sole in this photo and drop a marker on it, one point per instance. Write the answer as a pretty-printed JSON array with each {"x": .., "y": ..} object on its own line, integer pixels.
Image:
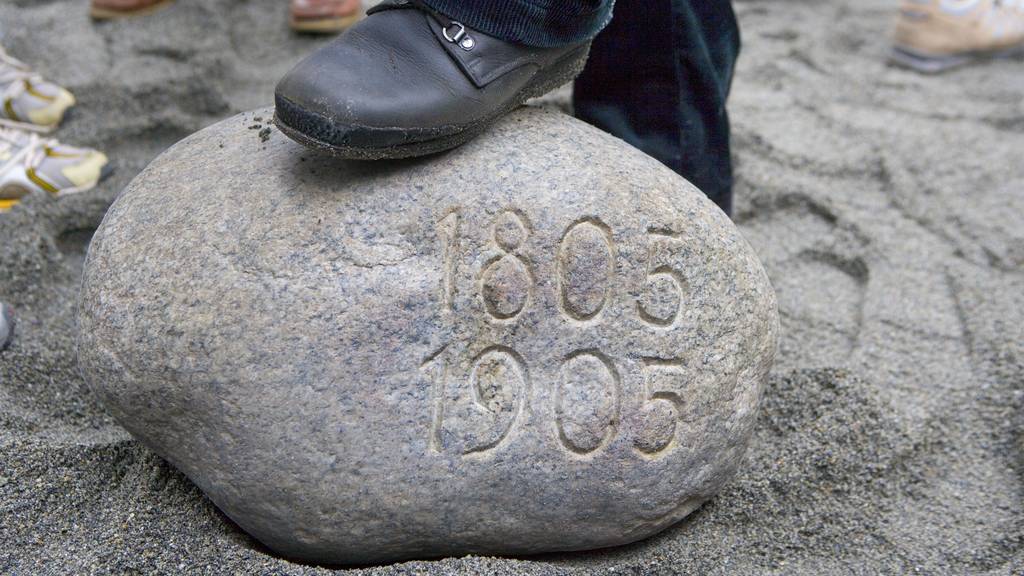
[
  {"x": 559, "y": 74},
  {"x": 110, "y": 14},
  {"x": 324, "y": 25},
  {"x": 931, "y": 64}
]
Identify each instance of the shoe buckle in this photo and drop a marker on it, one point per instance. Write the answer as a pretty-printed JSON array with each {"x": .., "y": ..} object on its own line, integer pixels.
[{"x": 462, "y": 37}]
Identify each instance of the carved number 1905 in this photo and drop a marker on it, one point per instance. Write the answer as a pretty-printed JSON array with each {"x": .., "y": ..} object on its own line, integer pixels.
[{"x": 588, "y": 402}]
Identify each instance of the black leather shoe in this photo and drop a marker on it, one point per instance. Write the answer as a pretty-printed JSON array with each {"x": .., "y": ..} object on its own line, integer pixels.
[{"x": 408, "y": 81}]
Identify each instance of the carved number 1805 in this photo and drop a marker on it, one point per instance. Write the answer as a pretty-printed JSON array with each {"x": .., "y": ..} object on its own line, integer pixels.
[{"x": 586, "y": 263}]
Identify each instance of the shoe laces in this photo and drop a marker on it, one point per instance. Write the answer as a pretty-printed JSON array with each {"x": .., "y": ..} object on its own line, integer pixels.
[
  {"x": 15, "y": 76},
  {"x": 29, "y": 149}
]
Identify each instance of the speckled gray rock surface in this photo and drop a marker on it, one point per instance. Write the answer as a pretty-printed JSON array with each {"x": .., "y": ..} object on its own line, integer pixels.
[{"x": 541, "y": 341}]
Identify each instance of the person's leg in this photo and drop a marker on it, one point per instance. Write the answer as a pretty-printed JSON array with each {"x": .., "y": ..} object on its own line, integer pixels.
[{"x": 658, "y": 78}]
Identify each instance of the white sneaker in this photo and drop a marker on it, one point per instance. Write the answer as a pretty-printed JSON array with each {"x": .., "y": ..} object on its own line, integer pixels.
[
  {"x": 27, "y": 101},
  {"x": 30, "y": 163},
  {"x": 935, "y": 35}
]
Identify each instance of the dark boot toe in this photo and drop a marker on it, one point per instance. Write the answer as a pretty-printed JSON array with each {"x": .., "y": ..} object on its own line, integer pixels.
[{"x": 397, "y": 85}]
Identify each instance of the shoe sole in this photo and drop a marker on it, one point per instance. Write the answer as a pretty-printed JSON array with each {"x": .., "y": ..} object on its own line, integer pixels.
[
  {"x": 559, "y": 74},
  {"x": 931, "y": 64},
  {"x": 324, "y": 25},
  {"x": 110, "y": 14}
]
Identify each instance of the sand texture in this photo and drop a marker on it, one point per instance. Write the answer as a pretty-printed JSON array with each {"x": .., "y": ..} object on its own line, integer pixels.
[{"x": 888, "y": 209}]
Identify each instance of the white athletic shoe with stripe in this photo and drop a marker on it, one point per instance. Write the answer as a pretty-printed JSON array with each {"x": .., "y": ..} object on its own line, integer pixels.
[
  {"x": 935, "y": 35},
  {"x": 27, "y": 100},
  {"x": 30, "y": 163}
]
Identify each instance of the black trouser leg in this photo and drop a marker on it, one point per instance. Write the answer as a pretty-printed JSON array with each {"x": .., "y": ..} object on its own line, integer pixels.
[{"x": 658, "y": 78}]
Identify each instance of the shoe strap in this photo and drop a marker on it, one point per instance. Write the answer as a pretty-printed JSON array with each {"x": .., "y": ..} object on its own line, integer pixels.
[
  {"x": 482, "y": 58},
  {"x": 454, "y": 32}
]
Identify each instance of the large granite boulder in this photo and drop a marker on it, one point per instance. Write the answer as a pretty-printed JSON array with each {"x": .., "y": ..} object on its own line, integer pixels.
[{"x": 542, "y": 341}]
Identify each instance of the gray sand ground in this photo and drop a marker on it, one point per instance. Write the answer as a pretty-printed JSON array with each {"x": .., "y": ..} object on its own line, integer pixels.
[{"x": 888, "y": 208}]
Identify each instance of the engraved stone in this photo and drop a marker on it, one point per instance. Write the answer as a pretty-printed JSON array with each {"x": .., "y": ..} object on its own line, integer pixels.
[
  {"x": 506, "y": 279},
  {"x": 541, "y": 341},
  {"x": 587, "y": 402},
  {"x": 587, "y": 261}
]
